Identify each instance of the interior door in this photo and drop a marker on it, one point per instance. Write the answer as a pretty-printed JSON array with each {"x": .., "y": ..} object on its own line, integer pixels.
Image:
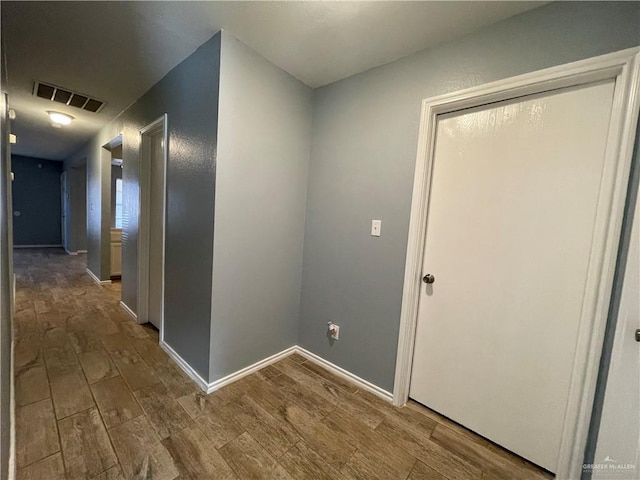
[
  {"x": 511, "y": 212},
  {"x": 156, "y": 226}
]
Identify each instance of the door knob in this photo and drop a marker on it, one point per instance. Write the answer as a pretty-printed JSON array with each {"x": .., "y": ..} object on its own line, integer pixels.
[
  {"x": 428, "y": 278},
  {"x": 638, "y": 335}
]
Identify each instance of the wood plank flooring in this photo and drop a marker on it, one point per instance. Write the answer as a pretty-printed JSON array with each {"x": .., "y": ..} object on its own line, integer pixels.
[{"x": 96, "y": 398}]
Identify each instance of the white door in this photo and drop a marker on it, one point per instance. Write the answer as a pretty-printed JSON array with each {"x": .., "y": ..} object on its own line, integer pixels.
[
  {"x": 618, "y": 446},
  {"x": 511, "y": 213},
  {"x": 156, "y": 226}
]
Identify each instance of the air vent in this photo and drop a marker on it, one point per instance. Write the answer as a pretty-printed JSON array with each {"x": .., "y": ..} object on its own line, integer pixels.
[{"x": 73, "y": 99}]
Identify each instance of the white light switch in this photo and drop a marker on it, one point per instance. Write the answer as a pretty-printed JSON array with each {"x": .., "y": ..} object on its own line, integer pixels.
[{"x": 376, "y": 226}]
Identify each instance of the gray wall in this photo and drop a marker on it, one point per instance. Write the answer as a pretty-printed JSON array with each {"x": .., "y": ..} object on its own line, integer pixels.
[
  {"x": 261, "y": 182},
  {"x": 36, "y": 195},
  {"x": 189, "y": 96},
  {"x": 365, "y": 134}
]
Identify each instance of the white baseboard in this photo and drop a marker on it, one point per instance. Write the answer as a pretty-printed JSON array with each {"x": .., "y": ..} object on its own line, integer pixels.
[
  {"x": 342, "y": 373},
  {"x": 195, "y": 376},
  {"x": 96, "y": 279},
  {"x": 37, "y": 246},
  {"x": 128, "y": 310},
  {"x": 70, "y": 253},
  {"x": 82, "y": 251},
  {"x": 12, "y": 418},
  {"x": 210, "y": 387},
  {"x": 213, "y": 386}
]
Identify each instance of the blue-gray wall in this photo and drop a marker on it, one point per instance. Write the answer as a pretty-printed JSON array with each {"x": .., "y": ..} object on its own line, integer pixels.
[
  {"x": 261, "y": 188},
  {"x": 36, "y": 195},
  {"x": 365, "y": 135},
  {"x": 188, "y": 94}
]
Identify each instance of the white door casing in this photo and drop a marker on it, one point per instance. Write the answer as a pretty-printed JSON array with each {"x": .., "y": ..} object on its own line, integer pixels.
[
  {"x": 156, "y": 227},
  {"x": 624, "y": 68},
  {"x": 153, "y": 147}
]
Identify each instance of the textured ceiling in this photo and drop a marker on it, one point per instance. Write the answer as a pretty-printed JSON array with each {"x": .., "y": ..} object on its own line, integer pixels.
[{"x": 115, "y": 51}]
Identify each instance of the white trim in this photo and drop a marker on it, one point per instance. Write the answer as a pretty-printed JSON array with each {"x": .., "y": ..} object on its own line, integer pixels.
[
  {"x": 131, "y": 313},
  {"x": 70, "y": 253},
  {"x": 213, "y": 386},
  {"x": 38, "y": 246},
  {"x": 342, "y": 373},
  {"x": 186, "y": 368},
  {"x": 81, "y": 251},
  {"x": 143, "y": 218},
  {"x": 210, "y": 387},
  {"x": 624, "y": 67},
  {"x": 12, "y": 414},
  {"x": 96, "y": 279}
]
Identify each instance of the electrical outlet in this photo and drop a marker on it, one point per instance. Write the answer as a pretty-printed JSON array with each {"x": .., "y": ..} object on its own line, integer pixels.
[{"x": 334, "y": 330}]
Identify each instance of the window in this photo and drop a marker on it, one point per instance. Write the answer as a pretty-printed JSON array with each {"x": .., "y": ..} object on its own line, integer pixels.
[{"x": 118, "y": 203}]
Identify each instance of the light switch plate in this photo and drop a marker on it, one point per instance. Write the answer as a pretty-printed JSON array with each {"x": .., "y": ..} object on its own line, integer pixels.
[{"x": 376, "y": 226}]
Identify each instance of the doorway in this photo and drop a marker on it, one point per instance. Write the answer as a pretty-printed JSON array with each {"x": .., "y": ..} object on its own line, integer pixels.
[
  {"x": 115, "y": 232},
  {"x": 503, "y": 307},
  {"x": 153, "y": 165},
  {"x": 112, "y": 155}
]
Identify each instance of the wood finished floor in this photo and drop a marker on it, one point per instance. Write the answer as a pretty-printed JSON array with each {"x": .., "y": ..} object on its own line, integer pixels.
[{"x": 96, "y": 398}]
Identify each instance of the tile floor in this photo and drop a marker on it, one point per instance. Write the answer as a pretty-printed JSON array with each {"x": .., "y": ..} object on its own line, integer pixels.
[{"x": 96, "y": 398}]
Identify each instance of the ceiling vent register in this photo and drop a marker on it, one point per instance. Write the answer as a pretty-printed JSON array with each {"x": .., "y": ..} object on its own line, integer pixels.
[{"x": 67, "y": 97}]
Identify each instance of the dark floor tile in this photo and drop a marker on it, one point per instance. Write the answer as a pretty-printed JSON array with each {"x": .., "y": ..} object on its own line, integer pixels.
[
  {"x": 97, "y": 365},
  {"x": 36, "y": 432},
  {"x": 31, "y": 384},
  {"x": 48, "y": 468},
  {"x": 164, "y": 412},
  {"x": 249, "y": 460},
  {"x": 195, "y": 456},
  {"x": 140, "y": 452},
  {"x": 71, "y": 394},
  {"x": 115, "y": 401},
  {"x": 85, "y": 445}
]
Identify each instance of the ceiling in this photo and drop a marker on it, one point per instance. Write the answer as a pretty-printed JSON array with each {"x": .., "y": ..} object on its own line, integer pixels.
[{"x": 115, "y": 51}]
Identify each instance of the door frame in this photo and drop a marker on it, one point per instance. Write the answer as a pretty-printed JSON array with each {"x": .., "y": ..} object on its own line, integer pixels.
[
  {"x": 624, "y": 68},
  {"x": 144, "y": 170}
]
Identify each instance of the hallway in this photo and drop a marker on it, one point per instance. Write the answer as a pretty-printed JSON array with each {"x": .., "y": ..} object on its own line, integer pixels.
[{"x": 96, "y": 397}]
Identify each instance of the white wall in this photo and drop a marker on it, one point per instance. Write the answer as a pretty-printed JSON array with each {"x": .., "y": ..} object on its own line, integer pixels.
[{"x": 264, "y": 138}]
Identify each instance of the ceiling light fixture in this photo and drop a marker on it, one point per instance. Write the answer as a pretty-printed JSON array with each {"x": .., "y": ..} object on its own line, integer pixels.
[{"x": 60, "y": 118}]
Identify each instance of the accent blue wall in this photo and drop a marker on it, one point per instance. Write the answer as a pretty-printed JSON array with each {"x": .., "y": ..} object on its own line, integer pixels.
[{"x": 36, "y": 201}]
